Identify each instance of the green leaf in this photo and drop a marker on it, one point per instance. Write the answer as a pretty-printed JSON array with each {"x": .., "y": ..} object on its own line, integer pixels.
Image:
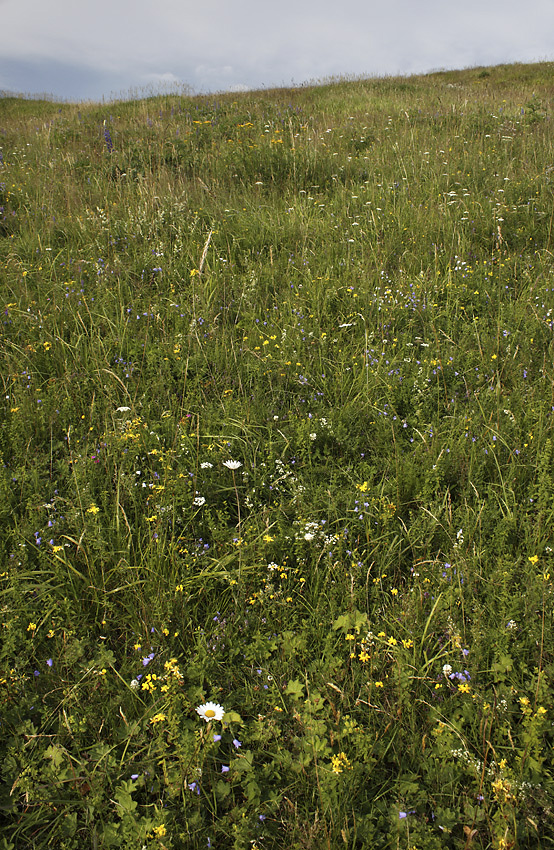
[
  {"x": 295, "y": 688},
  {"x": 351, "y": 620}
]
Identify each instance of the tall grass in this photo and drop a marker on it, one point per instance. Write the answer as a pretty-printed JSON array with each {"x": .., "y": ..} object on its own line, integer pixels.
[{"x": 348, "y": 289}]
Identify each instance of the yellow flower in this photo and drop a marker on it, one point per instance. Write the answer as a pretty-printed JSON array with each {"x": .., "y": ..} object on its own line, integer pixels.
[
  {"x": 464, "y": 688},
  {"x": 379, "y": 685},
  {"x": 338, "y": 762},
  {"x": 93, "y": 510},
  {"x": 158, "y": 718},
  {"x": 363, "y": 656},
  {"x": 533, "y": 559},
  {"x": 159, "y": 831}
]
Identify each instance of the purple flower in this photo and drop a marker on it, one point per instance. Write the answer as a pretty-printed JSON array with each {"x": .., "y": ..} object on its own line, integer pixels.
[
  {"x": 236, "y": 744},
  {"x": 49, "y": 662},
  {"x": 217, "y": 737},
  {"x": 224, "y": 768},
  {"x": 108, "y": 138}
]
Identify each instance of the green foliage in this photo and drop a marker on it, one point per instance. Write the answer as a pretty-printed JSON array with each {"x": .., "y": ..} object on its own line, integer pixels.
[{"x": 276, "y": 435}]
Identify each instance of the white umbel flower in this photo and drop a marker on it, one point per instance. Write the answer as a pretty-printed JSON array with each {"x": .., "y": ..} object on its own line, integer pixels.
[{"x": 210, "y": 711}]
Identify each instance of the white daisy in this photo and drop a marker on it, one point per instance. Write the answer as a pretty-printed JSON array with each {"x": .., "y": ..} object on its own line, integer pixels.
[
  {"x": 210, "y": 711},
  {"x": 232, "y": 464}
]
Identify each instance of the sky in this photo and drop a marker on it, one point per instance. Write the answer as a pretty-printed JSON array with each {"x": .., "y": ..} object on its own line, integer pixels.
[{"x": 93, "y": 49}]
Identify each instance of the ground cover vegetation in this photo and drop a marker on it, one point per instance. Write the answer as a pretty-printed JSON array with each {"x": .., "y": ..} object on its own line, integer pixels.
[{"x": 276, "y": 437}]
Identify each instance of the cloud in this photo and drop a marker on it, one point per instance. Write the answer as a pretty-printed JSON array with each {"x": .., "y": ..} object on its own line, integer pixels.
[{"x": 111, "y": 45}]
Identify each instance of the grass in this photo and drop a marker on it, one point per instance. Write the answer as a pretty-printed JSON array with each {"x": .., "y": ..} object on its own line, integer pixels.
[{"x": 348, "y": 290}]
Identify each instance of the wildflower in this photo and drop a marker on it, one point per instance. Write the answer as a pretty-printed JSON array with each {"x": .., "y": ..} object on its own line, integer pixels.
[
  {"x": 224, "y": 768},
  {"x": 158, "y": 718},
  {"x": 379, "y": 685},
  {"x": 198, "y": 501},
  {"x": 464, "y": 688},
  {"x": 206, "y": 465},
  {"x": 338, "y": 762},
  {"x": 93, "y": 509},
  {"x": 217, "y": 738},
  {"x": 134, "y": 684},
  {"x": 232, "y": 464},
  {"x": 533, "y": 559},
  {"x": 447, "y": 669},
  {"x": 160, "y": 831},
  {"x": 363, "y": 656},
  {"x": 210, "y": 711},
  {"x": 236, "y": 743},
  {"x": 108, "y": 138}
]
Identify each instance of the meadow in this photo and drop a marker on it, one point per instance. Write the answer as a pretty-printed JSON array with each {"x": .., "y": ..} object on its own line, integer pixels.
[{"x": 276, "y": 480}]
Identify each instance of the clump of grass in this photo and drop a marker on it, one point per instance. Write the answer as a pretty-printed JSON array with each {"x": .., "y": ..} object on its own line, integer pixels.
[{"x": 276, "y": 435}]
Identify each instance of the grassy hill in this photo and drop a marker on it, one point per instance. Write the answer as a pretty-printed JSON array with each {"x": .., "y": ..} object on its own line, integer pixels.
[{"x": 276, "y": 434}]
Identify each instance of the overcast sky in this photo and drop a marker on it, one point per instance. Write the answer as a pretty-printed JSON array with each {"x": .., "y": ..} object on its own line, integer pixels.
[{"x": 87, "y": 49}]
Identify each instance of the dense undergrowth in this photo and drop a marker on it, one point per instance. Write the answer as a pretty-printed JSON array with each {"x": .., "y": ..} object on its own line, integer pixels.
[{"x": 347, "y": 290}]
